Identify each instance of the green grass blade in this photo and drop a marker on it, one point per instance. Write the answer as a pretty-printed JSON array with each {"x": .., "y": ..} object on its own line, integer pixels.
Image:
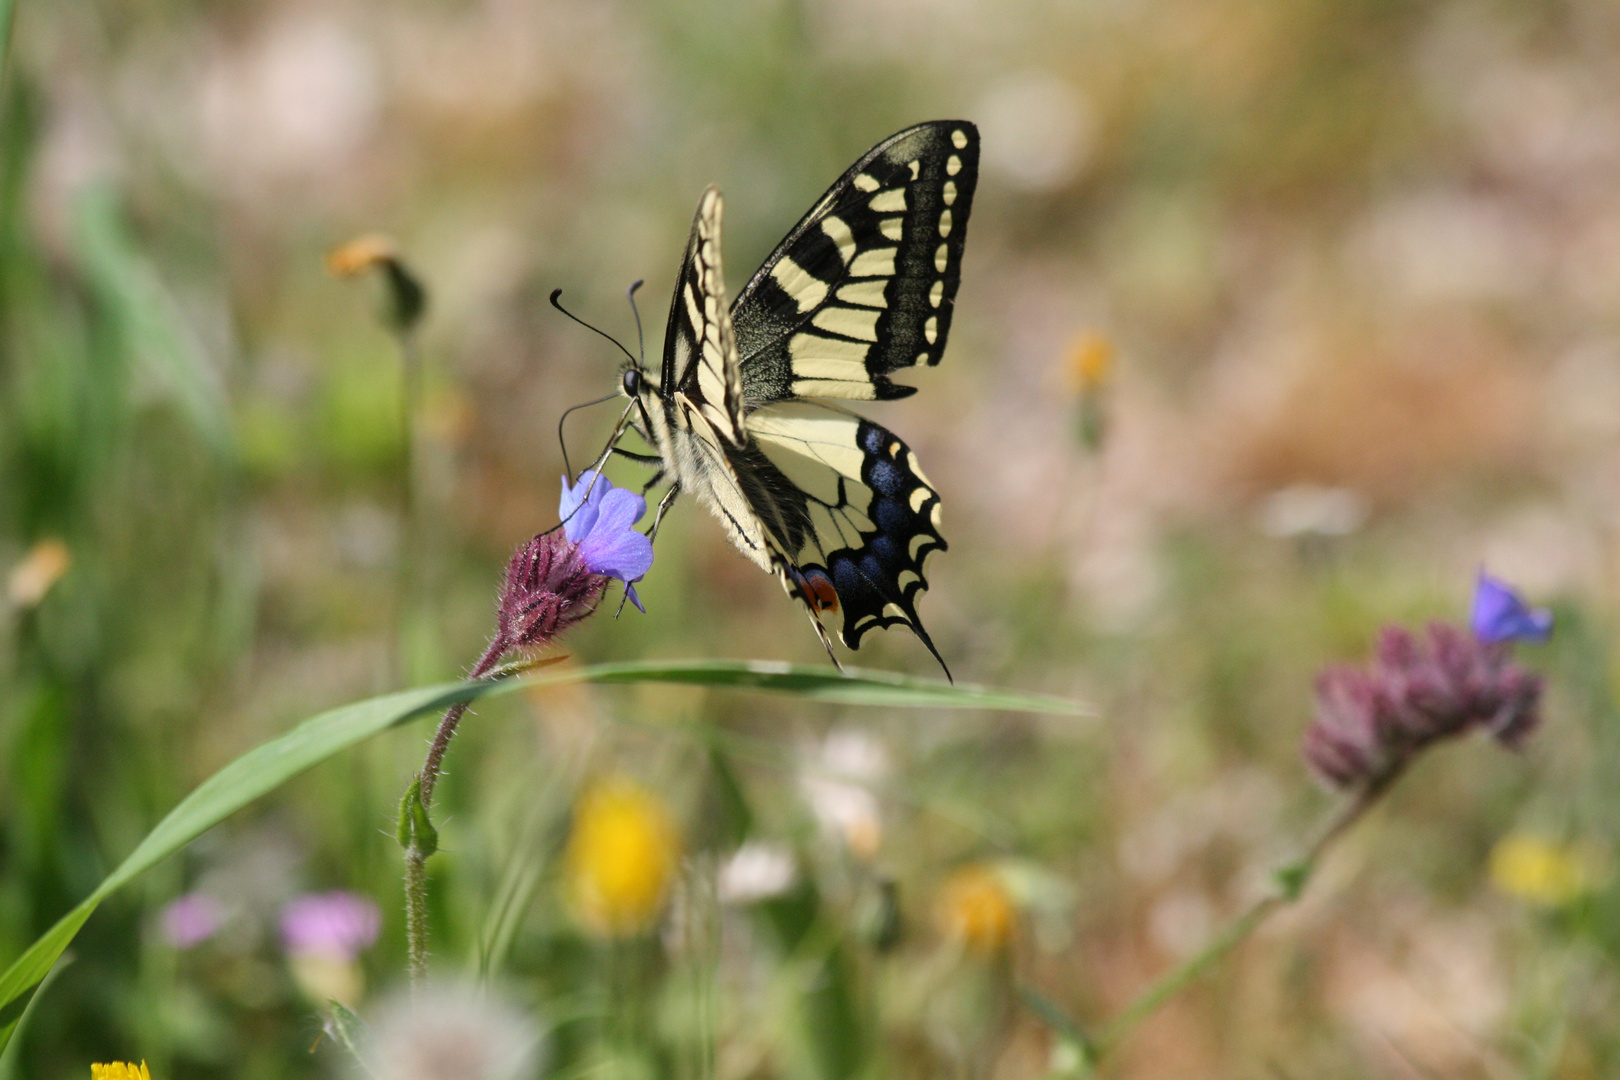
[
  {"x": 12, "y": 1030},
  {"x": 272, "y": 764},
  {"x": 821, "y": 683},
  {"x": 260, "y": 770},
  {"x": 8, "y": 16},
  {"x": 148, "y": 318}
]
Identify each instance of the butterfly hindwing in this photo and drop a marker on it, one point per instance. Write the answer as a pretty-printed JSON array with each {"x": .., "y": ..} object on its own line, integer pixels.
[
  {"x": 865, "y": 284},
  {"x": 700, "y": 352},
  {"x": 849, "y": 516}
]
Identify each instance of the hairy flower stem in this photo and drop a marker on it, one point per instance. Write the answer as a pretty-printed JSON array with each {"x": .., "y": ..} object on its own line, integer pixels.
[
  {"x": 431, "y": 767},
  {"x": 416, "y": 916},
  {"x": 1291, "y": 881},
  {"x": 414, "y": 821}
]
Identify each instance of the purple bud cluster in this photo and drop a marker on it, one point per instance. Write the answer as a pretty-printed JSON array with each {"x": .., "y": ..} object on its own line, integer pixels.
[
  {"x": 548, "y": 588},
  {"x": 558, "y": 577},
  {"x": 1370, "y": 722}
]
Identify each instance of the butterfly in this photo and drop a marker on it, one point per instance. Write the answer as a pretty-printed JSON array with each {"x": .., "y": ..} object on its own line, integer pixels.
[{"x": 744, "y": 413}]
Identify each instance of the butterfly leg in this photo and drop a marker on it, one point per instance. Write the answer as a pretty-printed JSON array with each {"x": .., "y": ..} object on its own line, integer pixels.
[
  {"x": 652, "y": 534},
  {"x": 650, "y": 460},
  {"x": 663, "y": 505}
]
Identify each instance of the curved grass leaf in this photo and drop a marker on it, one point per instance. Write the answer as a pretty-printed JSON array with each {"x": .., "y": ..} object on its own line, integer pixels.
[{"x": 271, "y": 764}]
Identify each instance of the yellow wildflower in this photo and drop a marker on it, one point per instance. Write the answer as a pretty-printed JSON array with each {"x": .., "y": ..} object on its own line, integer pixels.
[
  {"x": 1544, "y": 873},
  {"x": 1089, "y": 363},
  {"x": 360, "y": 255},
  {"x": 119, "y": 1070},
  {"x": 41, "y": 568},
  {"x": 621, "y": 857},
  {"x": 407, "y": 298},
  {"x": 1090, "y": 359},
  {"x": 976, "y": 909}
]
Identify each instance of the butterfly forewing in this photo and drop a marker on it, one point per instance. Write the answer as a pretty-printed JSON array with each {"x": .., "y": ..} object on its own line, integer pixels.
[
  {"x": 864, "y": 285},
  {"x": 700, "y": 352}
]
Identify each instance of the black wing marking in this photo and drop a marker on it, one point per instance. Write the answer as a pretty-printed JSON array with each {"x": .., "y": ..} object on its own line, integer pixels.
[
  {"x": 700, "y": 352},
  {"x": 848, "y": 515},
  {"x": 865, "y": 284}
]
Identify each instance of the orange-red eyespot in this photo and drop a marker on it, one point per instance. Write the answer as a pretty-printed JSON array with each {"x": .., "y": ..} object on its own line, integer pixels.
[{"x": 817, "y": 590}]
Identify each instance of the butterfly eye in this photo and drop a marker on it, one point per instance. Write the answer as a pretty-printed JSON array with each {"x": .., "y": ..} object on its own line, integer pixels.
[{"x": 632, "y": 382}]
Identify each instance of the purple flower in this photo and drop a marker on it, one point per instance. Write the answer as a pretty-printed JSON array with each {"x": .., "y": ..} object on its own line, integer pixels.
[
  {"x": 1500, "y": 615},
  {"x": 557, "y": 578},
  {"x": 191, "y": 919},
  {"x": 601, "y": 519},
  {"x": 1371, "y": 722},
  {"x": 337, "y": 924},
  {"x": 548, "y": 589}
]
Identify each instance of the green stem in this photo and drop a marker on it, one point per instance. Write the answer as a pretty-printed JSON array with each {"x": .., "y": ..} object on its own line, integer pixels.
[
  {"x": 1291, "y": 881},
  {"x": 416, "y": 833},
  {"x": 428, "y": 778},
  {"x": 416, "y": 916},
  {"x": 1149, "y": 1001},
  {"x": 8, "y": 19},
  {"x": 410, "y": 556}
]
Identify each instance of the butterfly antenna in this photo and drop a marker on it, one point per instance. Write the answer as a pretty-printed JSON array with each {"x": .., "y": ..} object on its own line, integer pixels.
[
  {"x": 641, "y": 340},
  {"x": 596, "y": 467},
  {"x": 564, "y": 442},
  {"x": 556, "y": 304}
]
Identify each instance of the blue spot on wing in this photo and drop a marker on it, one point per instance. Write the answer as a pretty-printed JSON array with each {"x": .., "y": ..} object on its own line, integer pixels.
[
  {"x": 867, "y": 575},
  {"x": 889, "y": 515},
  {"x": 884, "y": 477}
]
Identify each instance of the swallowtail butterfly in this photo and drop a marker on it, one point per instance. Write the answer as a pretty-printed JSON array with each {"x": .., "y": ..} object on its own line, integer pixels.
[{"x": 832, "y": 503}]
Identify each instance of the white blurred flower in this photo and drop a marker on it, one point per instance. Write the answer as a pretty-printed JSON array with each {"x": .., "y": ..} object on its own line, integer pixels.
[
  {"x": 837, "y": 785},
  {"x": 451, "y": 1033},
  {"x": 849, "y": 810},
  {"x": 854, "y": 755},
  {"x": 1181, "y": 922},
  {"x": 757, "y": 871},
  {"x": 293, "y": 103},
  {"x": 1309, "y": 510},
  {"x": 1449, "y": 245},
  {"x": 1038, "y": 130}
]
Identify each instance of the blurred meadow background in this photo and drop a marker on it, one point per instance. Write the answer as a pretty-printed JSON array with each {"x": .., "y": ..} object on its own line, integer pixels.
[{"x": 1277, "y": 321}]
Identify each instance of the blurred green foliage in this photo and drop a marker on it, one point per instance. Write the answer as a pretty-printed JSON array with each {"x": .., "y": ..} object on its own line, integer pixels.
[{"x": 1360, "y": 247}]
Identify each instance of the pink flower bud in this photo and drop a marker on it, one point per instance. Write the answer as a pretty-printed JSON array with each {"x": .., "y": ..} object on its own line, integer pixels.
[{"x": 1371, "y": 722}]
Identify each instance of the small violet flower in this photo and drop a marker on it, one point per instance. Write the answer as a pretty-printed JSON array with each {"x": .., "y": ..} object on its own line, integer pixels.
[
  {"x": 191, "y": 919},
  {"x": 1500, "y": 615},
  {"x": 557, "y": 578},
  {"x": 337, "y": 924},
  {"x": 601, "y": 519},
  {"x": 1370, "y": 723}
]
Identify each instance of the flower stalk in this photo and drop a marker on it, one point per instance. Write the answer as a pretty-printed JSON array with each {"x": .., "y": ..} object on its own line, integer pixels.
[
  {"x": 1370, "y": 725},
  {"x": 1290, "y": 886},
  {"x": 405, "y": 302},
  {"x": 553, "y": 581}
]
